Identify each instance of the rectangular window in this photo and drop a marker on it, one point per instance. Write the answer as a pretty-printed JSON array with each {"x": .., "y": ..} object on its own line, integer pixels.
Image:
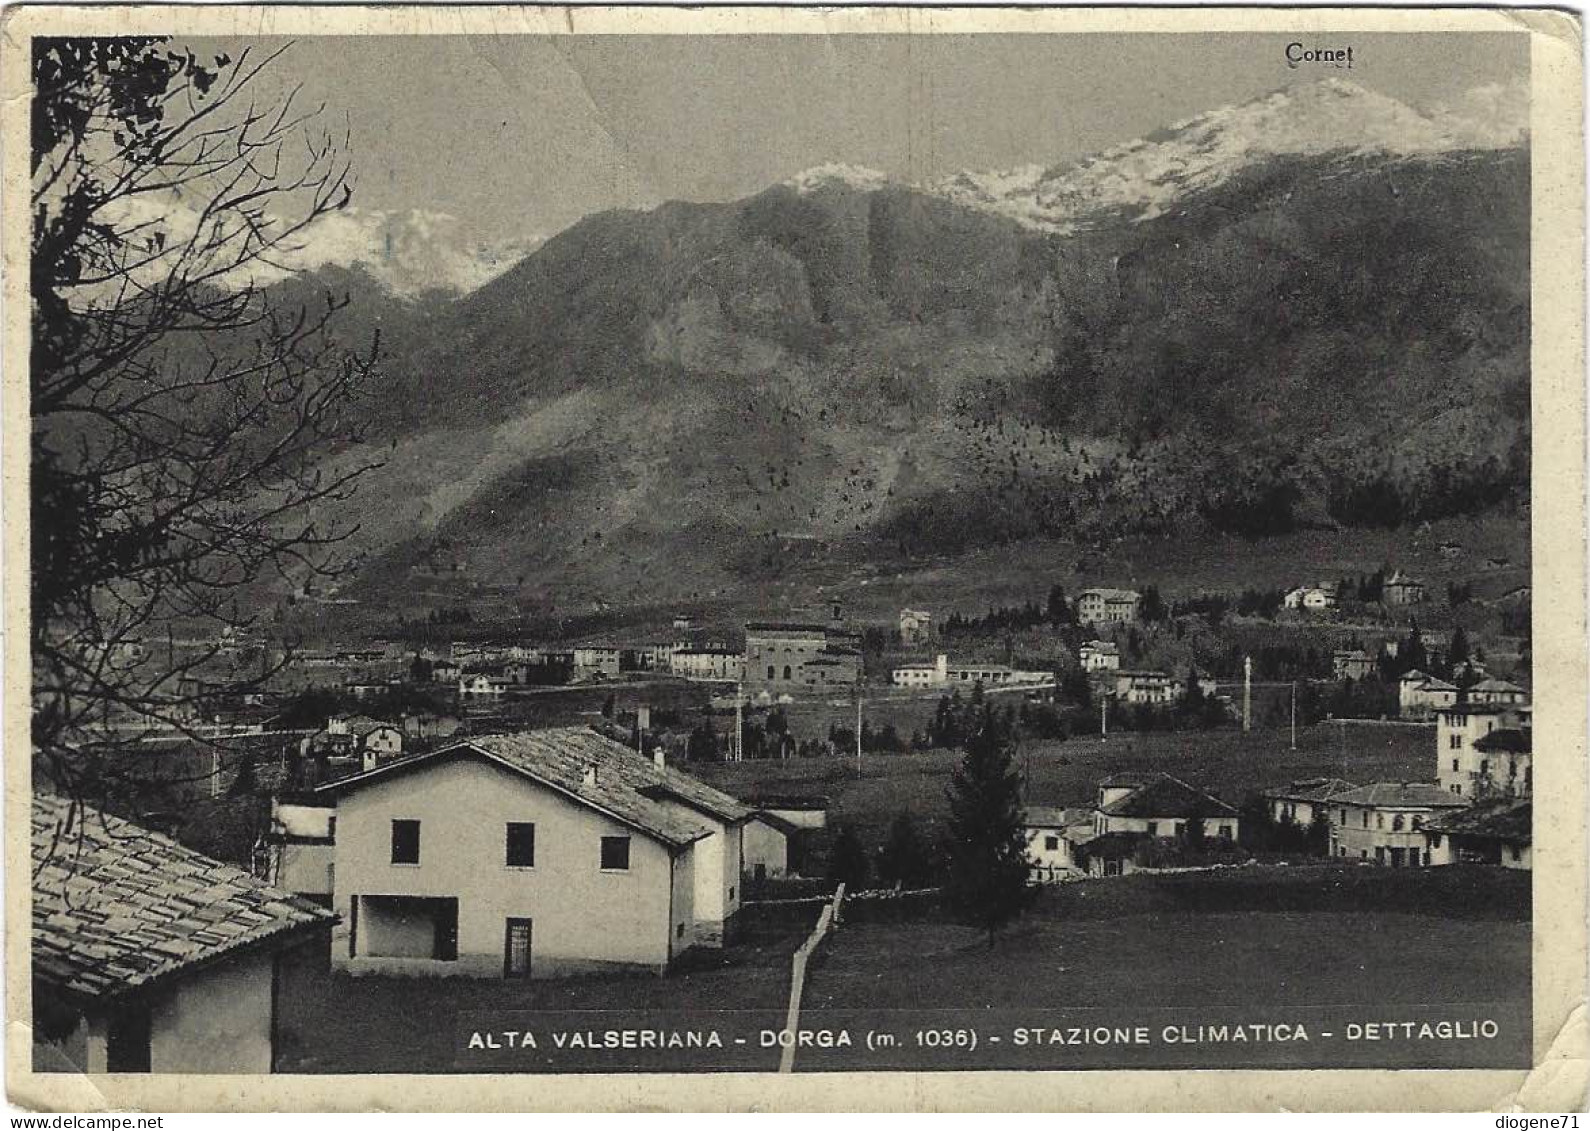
[
  {"x": 521, "y": 844},
  {"x": 1455, "y": 742},
  {"x": 1051, "y": 843},
  {"x": 405, "y": 842},
  {"x": 1454, "y": 765},
  {"x": 1153, "y": 828},
  {"x": 615, "y": 854}
]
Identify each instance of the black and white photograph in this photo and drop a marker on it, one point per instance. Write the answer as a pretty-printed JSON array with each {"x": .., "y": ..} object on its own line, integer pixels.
[{"x": 915, "y": 552}]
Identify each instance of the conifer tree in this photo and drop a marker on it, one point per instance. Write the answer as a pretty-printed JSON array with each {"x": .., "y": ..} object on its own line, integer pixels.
[{"x": 988, "y": 866}]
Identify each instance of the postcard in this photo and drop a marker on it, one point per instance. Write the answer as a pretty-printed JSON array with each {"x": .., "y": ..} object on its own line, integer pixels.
[{"x": 898, "y": 558}]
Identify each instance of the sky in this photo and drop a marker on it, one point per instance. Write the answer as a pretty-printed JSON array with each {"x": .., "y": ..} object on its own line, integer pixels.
[{"x": 504, "y": 140}]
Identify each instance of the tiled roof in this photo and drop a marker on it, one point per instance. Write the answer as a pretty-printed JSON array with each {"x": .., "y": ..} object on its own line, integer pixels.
[
  {"x": 1507, "y": 740},
  {"x": 1114, "y": 846},
  {"x": 1392, "y": 794},
  {"x": 1043, "y": 817},
  {"x": 1165, "y": 796},
  {"x": 1488, "y": 685},
  {"x": 627, "y": 786},
  {"x": 1310, "y": 789},
  {"x": 1507, "y": 820},
  {"x": 116, "y": 907},
  {"x": 1111, "y": 594}
]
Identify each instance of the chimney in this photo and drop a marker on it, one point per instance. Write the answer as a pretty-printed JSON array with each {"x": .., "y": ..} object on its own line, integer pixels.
[
  {"x": 590, "y": 776},
  {"x": 659, "y": 757}
]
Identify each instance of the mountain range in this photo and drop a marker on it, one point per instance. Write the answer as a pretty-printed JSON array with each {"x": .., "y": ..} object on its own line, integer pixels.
[{"x": 1309, "y": 311}]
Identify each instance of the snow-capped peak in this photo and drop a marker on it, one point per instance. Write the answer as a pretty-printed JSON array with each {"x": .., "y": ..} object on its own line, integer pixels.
[
  {"x": 1142, "y": 178},
  {"x": 852, "y": 176}
]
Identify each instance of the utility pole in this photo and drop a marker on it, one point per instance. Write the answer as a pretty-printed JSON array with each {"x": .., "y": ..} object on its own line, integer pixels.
[
  {"x": 1247, "y": 694},
  {"x": 858, "y": 731},
  {"x": 739, "y": 722},
  {"x": 1294, "y": 714},
  {"x": 1104, "y": 718}
]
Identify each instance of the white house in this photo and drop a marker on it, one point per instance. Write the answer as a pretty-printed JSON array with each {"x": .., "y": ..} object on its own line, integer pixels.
[
  {"x": 1385, "y": 821},
  {"x": 1420, "y": 695},
  {"x": 149, "y": 957},
  {"x": 1489, "y": 832},
  {"x": 771, "y": 847},
  {"x": 540, "y": 853},
  {"x": 1052, "y": 838},
  {"x": 1099, "y": 656},
  {"x": 1311, "y": 598},
  {"x": 480, "y": 685}
]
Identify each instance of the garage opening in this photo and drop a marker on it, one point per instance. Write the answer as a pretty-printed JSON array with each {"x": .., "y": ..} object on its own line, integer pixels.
[{"x": 407, "y": 926}]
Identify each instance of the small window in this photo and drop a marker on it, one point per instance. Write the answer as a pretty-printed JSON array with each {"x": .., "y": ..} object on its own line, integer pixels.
[
  {"x": 615, "y": 854},
  {"x": 1153, "y": 828},
  {"x": 770, "y": 672},
  {"x": 1516, "y": 855},
  {"x": 731, "y": 895},
  {"x": 405, "y": 842},
  {"x": 521, "y": 844},
  {"x": 787, "y": 674},
  {"x": 679, "y": 931},
  {"x": 1051, "y": 843}
]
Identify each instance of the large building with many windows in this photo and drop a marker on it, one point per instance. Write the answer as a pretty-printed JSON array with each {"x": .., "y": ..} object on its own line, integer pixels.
[
  {"x": 787, "y": 657},
  {"x": 1483, "y": 749}
]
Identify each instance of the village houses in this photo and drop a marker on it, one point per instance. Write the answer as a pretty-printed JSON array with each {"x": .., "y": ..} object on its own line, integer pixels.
[
  {"x": 548, "y": 852},
  {"x": 369, "y": 739},
  {"x": 150, "y": 957}
]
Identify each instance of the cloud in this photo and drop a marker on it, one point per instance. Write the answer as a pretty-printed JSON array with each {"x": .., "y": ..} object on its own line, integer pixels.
[{"x": 1488, "y": 116}]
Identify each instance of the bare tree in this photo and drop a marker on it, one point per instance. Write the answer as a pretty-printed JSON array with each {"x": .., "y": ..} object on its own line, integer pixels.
[{"x": 188, "y": 427}]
